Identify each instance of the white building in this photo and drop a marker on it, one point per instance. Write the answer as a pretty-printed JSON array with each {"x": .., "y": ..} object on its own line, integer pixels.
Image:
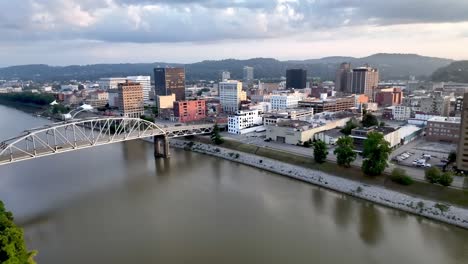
[
  {"x": 225, "y": 75},
  {"x": 230, "y": 95},
  {"x": 244, "y": 122},
  {"x": 69, "y": 87},
  {"x": 110, "y": 83},
  {"x": 248, "y": 73},
  {"x": 262, "y": 107},
  {"x": 285, "y": 101},
  {"x": 113, "y": 97},
  {"x": 401, "y": 112},
  {"x": 145, "y": 82}
]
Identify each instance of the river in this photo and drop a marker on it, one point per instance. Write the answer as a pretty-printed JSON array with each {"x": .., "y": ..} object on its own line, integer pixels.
[{"x": 116, "y": 204}]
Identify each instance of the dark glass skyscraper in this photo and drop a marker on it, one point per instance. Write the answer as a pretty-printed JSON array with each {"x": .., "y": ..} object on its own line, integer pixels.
[
  {"x": 296, "y": 78},
  {"x": 170, "y": 81}
]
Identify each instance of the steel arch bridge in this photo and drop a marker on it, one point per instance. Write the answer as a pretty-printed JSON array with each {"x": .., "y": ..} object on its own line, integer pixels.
[{"x": 85, "y": 133}]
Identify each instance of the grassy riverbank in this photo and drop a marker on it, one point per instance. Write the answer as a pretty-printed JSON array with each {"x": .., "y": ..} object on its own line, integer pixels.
[{"x": 420, "y": 189}]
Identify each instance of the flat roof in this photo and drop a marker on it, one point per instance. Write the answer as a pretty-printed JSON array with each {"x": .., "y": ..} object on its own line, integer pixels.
[{"x": 455, "y": 120}]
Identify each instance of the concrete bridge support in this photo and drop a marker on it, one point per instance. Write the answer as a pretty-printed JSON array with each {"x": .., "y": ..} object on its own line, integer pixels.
[{"x": 161, "y": 146}]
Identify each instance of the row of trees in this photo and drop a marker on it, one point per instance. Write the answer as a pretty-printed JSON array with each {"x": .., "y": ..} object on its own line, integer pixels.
[
  {"x": 376, "y": 152},
  {"x": 28, "y": 98}
]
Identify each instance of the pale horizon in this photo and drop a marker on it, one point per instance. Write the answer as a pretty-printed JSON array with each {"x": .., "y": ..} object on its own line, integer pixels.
[{"x": 80, "y": 32}]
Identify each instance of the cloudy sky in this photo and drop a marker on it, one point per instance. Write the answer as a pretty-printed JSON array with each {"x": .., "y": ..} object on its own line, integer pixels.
[{"x": 62, "y": 32}]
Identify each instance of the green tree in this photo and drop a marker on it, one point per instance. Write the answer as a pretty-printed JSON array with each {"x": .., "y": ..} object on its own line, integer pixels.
[
  {"x": 399, "y": 176},
  {"x": 216, "y": 136},
  {"x": 369, "y": 120},
  {"x": 12, "y": 247},
  {"x": 446, "y": 179},
  {"x": 344, "y": 152},
  {"x": 320, "y": 151},
  {"x": 382, "y": 124},
  {"x": 147, "y": 118},
  {"x": 452, "y": 157},
  {"x": 350, "y": 125},
  {"x": 376, "y": 152},
  {"x": 433, "y": 174}
]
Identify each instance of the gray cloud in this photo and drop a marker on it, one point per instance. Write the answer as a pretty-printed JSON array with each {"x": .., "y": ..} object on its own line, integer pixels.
[{"x": 147, "y": 21}]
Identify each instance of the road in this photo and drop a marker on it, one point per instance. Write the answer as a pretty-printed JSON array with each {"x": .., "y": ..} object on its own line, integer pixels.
[{"x": 414, "y": 172}]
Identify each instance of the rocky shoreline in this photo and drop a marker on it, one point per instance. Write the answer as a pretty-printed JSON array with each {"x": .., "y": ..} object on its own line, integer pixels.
[{"x": 438, "y": 211}]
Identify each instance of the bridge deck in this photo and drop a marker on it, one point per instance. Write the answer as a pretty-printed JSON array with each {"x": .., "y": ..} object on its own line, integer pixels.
[{"x": 79, "y": 134}]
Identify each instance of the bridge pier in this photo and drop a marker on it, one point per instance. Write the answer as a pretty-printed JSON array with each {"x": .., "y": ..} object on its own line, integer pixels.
[{"x": 161, "y": 147}]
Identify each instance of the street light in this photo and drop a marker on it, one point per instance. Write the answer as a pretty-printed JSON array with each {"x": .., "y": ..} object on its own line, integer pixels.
[{"x": 71, "y": 115}]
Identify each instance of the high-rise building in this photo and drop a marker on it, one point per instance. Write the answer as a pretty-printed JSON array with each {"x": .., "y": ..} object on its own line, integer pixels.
[
  {"x": 170, "y": 80},
  {"x": 145, "y": 82},
  {"x": 343, "y": 78},
  {"x": 462, "y": 153},
  {"x": 131, "y": 102},
  {"x": 248, "y": 74},
  {"x": 364, "y": 81},
  {"x": 296, "y": 79},
  {"x": 230, "y": 95},
  {"x": 225, "y": 75}
]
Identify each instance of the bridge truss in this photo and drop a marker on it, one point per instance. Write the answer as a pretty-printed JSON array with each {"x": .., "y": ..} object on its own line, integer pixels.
[{"x": 79, "y": 134}]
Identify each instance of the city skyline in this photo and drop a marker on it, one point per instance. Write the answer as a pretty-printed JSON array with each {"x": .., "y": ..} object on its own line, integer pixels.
[{"x": 108, "y": 31}]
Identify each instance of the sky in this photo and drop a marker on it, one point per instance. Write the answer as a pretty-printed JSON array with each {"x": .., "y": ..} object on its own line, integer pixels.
[{"x": 65, "y": 32}]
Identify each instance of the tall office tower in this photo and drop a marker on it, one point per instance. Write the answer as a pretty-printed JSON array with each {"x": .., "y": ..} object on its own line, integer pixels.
[
  {"x": 248, "y": 74},
  {"x": 225, "y": 75},
  {"x": 462, "y": 153},
  {"x": 170, "y": 80},
  {"x": 296, "y": 79},
  {"x": 230, "y": 95},
  {"x": 131, "y": 102},
  {"x": 145, "y": 82},
  {"x": 364, "y": 81},
  {"x": 343, "y": 78}
]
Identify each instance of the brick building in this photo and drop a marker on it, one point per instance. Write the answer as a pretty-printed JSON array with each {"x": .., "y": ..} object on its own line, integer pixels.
[
  {"x": 329, "y": 104},
  {"x": 189, "y": 111},
  {"x": 389, "y": 97}
]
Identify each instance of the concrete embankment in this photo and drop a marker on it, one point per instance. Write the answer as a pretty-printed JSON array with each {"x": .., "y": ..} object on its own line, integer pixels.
[{"x": 423, "y": 207}]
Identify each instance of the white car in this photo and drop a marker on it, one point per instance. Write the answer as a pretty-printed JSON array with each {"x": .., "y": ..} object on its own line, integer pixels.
[{"x": 427, "y": 165}]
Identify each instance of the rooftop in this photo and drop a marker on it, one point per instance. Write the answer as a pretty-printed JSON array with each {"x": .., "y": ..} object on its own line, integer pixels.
[{"x": 455, "y": 120}]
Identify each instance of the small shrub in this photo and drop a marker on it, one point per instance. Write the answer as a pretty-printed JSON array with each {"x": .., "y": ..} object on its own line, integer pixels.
[
  {"x": 442, "y": 207},
  {"x": 359, "y": 189},
  {"x": 399, "y": 176},
  {"x": 433, "y": 175},
  {"x": 446, "y": 179},
  {"x": 237, "y": 155},
  {"x": 260, "y": 161}
]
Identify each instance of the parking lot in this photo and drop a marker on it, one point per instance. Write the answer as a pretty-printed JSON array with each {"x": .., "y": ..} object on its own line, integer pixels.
[{"x": 423, "y": 154}]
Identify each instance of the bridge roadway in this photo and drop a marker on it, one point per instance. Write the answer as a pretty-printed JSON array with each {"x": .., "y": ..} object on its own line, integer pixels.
[{"x": 85, "y": 133}]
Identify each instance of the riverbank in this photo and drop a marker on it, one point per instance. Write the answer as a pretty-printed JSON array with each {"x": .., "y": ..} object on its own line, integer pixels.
[
  {"x": 25, "y": 107},
  {"x": 423, "y": 207}
]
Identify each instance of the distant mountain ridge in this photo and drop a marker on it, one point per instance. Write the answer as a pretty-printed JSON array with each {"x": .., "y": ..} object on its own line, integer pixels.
[
  {"x": 391, "y": 66},
  {"x": 455, "y": 72}
]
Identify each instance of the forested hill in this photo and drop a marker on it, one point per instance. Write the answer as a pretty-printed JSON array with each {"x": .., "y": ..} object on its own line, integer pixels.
[
  {"x": 391, "y": 66},
  {"x": 455, "y": 72}
]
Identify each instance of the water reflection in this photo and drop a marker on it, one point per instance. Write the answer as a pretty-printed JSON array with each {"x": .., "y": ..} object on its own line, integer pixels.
[
  {"x": 318, "y": 198},
  {"x": 343, "y": 210},
  {"x": 370, "y": 225}
]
